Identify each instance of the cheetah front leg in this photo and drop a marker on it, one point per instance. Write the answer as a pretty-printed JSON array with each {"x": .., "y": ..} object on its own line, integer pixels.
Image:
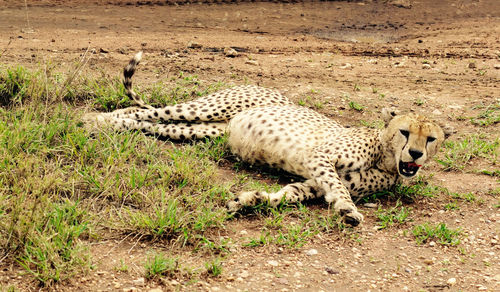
[
  {"x": 322, "y": 170},
  {"x": 292, "y": 193}
]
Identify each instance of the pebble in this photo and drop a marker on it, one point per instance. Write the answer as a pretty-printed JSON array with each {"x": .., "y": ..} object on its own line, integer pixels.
[
  {"x": 472, "y": 65},
  {"x": 437, "y": 112},
  {"x": 426, "y": 66},
  {"x": 312, "y": 252},
  {"x": 298, "y": 274},
  {"x": 451, "y": 281},
  {"x": 194, "y": 45},
  {"x": 331, "y": 271},
  {"x": 156, "y": 290},
  {"x": 139, "y": 282},
  {"x": 252, "y": 62},
  {"x": 174, "y": 283},
  {"x": 129, "y": 289},
  {"x": 428, "y": 262},
  {"x": 230, "y": 52},
  {"x": 345, "y": 66},
  {"x": 496, "y": 66},
  {"x": 432, "y": 243},
  {"x": 370, "y": 205},
  {"x": 243, "y": 232},
  {"x": 244, "y": 274},
  {"x": 272, "y": 263}
]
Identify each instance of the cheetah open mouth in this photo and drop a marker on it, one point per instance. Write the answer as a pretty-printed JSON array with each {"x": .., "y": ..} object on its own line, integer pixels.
[{"x": 408, "y": 169}]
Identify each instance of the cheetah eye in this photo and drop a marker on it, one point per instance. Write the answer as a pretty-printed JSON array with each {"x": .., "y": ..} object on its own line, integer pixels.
[
  {"x": 405, "y": 133},
  {"x": 430, "y": 139}
]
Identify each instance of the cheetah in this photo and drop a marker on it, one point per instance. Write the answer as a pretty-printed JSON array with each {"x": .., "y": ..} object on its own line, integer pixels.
[{"x": 264, "y": 127}]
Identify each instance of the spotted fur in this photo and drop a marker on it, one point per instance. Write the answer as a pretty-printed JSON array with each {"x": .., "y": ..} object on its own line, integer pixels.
[{"x": 337, "y": 163}]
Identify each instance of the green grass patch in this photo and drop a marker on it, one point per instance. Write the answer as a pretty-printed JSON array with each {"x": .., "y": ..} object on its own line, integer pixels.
[
  {"x": 158, "y": 265},
  {"x": 458, "y": 154},
  {"x": 409, "y": 191},
  {"x": 60, "y": 185},
  {"x": 214, "y": 267},
  {"x": 440, "y": 233},
  {"x": 489, "y": 116},
  {"x": 356, "y": 106},
  {"x": 396, "y": 215},
  {"x": 292, "y": 226}
]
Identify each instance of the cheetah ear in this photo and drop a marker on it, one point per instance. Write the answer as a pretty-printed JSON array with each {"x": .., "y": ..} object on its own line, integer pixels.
[
  {"x": 448, "y": 131},
  {"x": 388, "y": 114}
]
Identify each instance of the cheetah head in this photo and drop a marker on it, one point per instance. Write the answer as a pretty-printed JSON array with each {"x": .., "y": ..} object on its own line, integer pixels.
[{"x": 409, "y": 141}]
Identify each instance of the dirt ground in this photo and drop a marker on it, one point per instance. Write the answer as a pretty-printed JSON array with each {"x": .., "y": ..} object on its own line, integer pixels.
[{"x": 439, "y": 58}]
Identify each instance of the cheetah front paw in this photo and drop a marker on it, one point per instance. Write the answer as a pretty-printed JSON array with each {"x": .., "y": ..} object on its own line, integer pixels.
[
  {"x": 245, "y": 199},
  {"x": 349, "y": 213}
]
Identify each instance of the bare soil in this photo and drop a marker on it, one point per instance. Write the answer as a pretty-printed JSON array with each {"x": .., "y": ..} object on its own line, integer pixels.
[{"x": 439, "y": 58}]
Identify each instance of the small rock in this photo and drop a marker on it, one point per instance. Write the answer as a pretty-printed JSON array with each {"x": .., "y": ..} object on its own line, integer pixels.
[
  {"x": 345, "y": 66},
  {"x": 215, "y": 289},
  {"x": 244, "y": 274},
  {"x": 496, "y": 66},
  {"x": 311, "y": 252},
  {"x": 194, "y": 45},
  {"x": 139, "y": 282},
  {"x": 273, "y": 263},
  {"x": 117, "y": 285},
  {"x": 370, "y": 205},
  {"x": 428, "y": 262},
  {"x": 331, "y": 271},
  {"x": 174, "y": 283},
  {"x": 426, "y": 66},
  {"x": 243, "y": 232},
  {"x": 437, "y": 112},
  {"x": 230, "y": 52},
  {"x": 155, "y": 290},
  {"x": 298, "y": 274},
  {"x": 103, "y": 50},
  {"x": 472, "y": 65},
  {"x": 432, "y": 243},
  {"x": 451, "y": 281},
  {"x": 252, "y": 62},
  {"x": 408, "y": 270},
  {"x": 129, "y": 289}
]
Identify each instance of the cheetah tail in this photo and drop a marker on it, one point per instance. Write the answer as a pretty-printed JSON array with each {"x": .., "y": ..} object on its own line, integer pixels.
[{"x": 128, "y": 72}]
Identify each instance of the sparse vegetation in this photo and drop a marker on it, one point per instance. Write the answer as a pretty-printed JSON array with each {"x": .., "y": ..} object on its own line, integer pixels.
[
  {"x": 396, "y": 215},
  {"x": 159, "y": 265},
  {"x": 356, "y": 106},
  {"x": 489, "y": 116},
  {"x": 440, "y": 232},
  {"x": 458, "y": 154},
  {"x": 214, "y": 267}
]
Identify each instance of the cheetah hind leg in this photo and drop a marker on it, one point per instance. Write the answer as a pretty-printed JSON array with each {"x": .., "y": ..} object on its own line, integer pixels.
[
  {"x": 175, "y": 131},
  {"x": 292, "y": 193}
]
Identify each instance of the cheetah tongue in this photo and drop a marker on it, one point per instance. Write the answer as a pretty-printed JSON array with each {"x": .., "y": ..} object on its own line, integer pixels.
[
  {"x": 408, "y": 169},
  {"x": 413, "y": 164}
]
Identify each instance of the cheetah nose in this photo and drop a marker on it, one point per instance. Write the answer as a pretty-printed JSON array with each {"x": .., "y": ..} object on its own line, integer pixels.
[{"x": 415, "y": 154}]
